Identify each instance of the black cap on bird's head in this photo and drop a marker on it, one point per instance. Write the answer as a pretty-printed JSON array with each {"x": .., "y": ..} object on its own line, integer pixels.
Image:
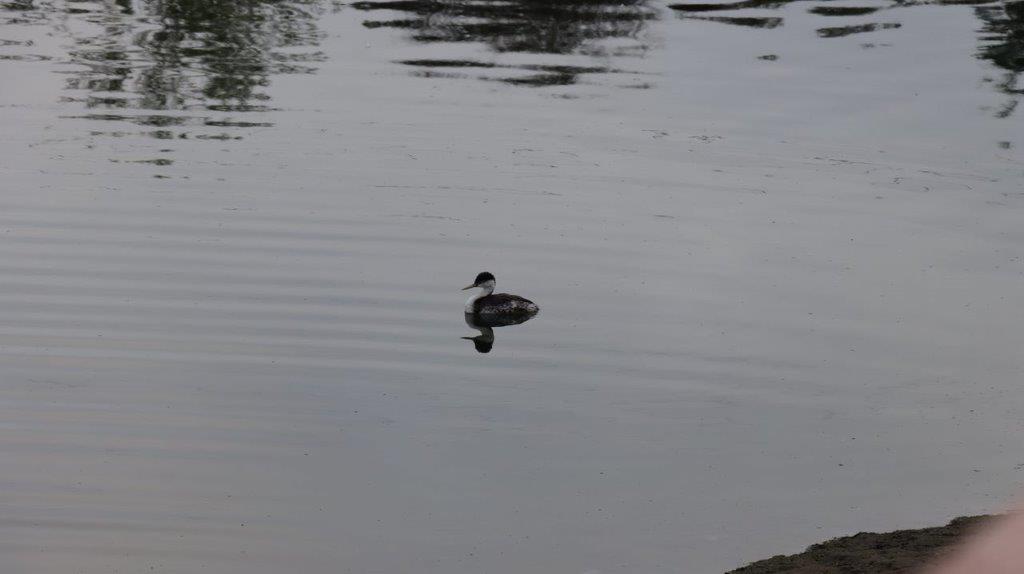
[{"x": 481, "y": 278}]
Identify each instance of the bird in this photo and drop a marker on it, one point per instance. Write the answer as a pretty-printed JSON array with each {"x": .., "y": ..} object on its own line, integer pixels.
[{"x": 487, "y": 302}]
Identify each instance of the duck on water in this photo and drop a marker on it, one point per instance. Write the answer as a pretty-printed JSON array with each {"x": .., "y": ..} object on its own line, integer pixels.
[{"x": 487, "y": 302}]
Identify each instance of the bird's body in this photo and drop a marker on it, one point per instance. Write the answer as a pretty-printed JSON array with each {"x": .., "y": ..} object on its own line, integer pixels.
[
  {"x": 487, "y": 302},
  {"x": 501, "y": 304}
]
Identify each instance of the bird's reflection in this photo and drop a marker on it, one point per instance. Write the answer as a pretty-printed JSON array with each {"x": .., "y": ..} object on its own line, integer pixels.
[{"x": 486, "y": 324}]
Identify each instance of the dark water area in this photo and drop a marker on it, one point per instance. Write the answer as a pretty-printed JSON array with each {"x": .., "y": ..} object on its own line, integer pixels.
[{"x": 777, "y": 248}]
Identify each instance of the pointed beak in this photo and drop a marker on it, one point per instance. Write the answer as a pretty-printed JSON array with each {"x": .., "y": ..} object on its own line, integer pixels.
[{"x": 468, "y": 287}]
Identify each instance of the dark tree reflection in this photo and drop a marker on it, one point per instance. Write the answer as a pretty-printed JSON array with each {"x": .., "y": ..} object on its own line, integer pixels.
[
  {"x": 1002, "y": 43},
  {"x": 1001, "y": 39},
  {"x": 580, "y": 27},
  {"x": 183, "y": 54}
]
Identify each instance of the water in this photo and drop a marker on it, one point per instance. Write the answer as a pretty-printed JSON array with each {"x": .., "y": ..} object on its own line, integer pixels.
[{"x": 777, "y": 250}]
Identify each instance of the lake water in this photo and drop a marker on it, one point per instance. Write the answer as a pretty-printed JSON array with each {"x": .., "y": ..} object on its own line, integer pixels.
[{"x": 777, "y": 247}]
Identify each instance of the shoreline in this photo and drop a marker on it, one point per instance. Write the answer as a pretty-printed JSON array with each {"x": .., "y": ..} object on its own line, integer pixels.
[{"x": 899, "y": 551}]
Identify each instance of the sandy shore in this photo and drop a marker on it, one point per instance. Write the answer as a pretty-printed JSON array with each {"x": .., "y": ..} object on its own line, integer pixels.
[{"x": 871, "y": 552}]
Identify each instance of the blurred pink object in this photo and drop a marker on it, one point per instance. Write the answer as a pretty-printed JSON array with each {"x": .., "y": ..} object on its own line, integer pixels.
[{"x": 996, "y": 549}]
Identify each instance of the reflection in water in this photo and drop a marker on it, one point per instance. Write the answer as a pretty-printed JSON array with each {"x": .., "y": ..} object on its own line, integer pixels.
[
  {"x": 840, "y": 31},
  {"x": 843, "y": 10},
  {"x": 180, "y": 55},
  {"x": 220, "y": 53},
  {"x": 1001, "y": 38},
  {"x": 748, "y": 21},
  {"x": 1002, "y": 43},
  {"x": 486, "y": 324},
  {"x": 721, "y": 6},
  {"x": 589, "y": 28}
]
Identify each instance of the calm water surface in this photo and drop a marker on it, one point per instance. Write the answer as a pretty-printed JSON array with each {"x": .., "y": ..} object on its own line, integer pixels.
[{"x": 777, "y": 246}]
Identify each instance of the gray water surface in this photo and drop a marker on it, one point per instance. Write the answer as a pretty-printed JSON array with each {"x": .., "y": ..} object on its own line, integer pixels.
[{"x": 778, "y": 251}]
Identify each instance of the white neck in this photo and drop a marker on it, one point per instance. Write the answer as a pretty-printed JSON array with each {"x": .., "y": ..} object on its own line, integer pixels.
[{"x": 485, "y": 290}]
